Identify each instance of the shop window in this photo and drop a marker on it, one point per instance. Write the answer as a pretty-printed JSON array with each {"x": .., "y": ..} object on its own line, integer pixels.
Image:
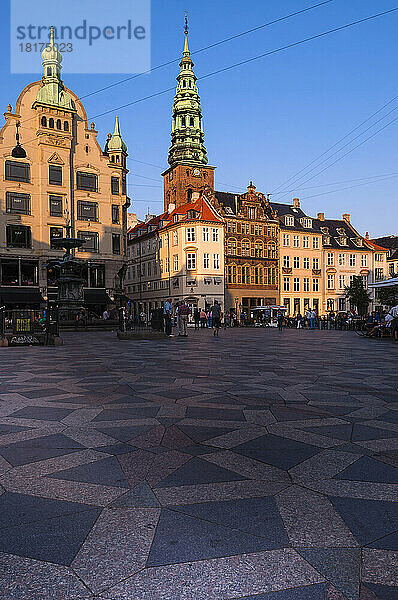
[
  {"x": 29, "y": 272},
  {"x": 9, "y": 272}
]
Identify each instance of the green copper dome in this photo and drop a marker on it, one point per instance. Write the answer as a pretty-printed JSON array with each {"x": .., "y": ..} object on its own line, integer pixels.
[
  {"x": 52, "y": 91},
  {"x": 116, "y": 141}
]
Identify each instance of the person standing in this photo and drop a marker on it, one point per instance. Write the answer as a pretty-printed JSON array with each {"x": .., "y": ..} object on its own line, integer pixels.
[
  {"x": 280, "y": 321},
  {"x": 312, "y": 319},
  {"x": 196, "y": 317},
  {"x": 167, "y": 315},
  {"x": 215, "y": 312},
  {"x": 393, "y": 312},
  {"x": 299, "y": 319},
  {"x": 203, "y": 318},
  {"x": 209, "y": 319},
  {"x": 183, "y": 313}
]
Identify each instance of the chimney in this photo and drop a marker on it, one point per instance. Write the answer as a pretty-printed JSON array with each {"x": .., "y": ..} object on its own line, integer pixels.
[
  {"x": 367, "y": 235},
  {"x": 195, "y": 196},
  {"x": 296, "y": 203},
  {"x": 321, "y": 216},
  {"x": 170, "y": 207},
  {"x": 346, "y": 217}
]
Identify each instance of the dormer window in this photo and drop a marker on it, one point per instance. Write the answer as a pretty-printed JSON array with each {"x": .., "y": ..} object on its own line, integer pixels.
[
  {"x": 289, "y": 220},
  {"x": 326, "y": 240},
  {"x": 341, "y": 231},
  {"x": 342, "y": 240},
  {"x": 325, "y": 230},
  {"x": 175, "y": 218},
  {"x": 358, "y": 241},
  {"x": 306, "y": 222},
  {"x": 191, "y": 214}
]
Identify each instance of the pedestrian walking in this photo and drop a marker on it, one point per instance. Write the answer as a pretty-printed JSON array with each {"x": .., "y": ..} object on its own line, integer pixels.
[
  {"x": 167, "y": 315},
  {"x": 393, "y": 312},
  {"x": 299, "y": 319},
  {"x": 183, "y": 313},
  {"x": 215, "y": 312},
  {"x": 203, "y": 319},
  {"x": 312, "y": 319},
  {"x": 196, "y": 318},
  {"x": 280, "y": 321},
  {"x": 209, "y": 319}
]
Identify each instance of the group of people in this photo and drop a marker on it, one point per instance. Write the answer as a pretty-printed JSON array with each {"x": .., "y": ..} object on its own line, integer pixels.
[
  {"x": 181, "y": 312},
  {"x": 377, "y": 324}
]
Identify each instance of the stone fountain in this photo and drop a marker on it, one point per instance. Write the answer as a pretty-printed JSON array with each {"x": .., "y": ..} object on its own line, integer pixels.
[{"x": 70, "y": 281}]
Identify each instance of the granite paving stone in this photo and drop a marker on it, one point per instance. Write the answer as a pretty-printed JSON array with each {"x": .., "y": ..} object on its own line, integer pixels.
[{"x": 259, "y": 466}]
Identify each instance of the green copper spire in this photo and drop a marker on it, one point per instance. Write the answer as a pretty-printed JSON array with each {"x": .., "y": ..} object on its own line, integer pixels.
[
  {"x": 187, "y": 138},
  {"x": 116, "y": 141},
  {"x": 52, "y": 91}
]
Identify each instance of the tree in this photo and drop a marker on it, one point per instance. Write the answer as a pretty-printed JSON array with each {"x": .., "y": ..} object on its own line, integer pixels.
[{"x": 358, "y": 295}]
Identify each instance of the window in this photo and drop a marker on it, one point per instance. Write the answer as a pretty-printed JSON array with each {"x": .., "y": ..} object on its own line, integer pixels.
[
  {"x": 245, "y": 274},
  {"x": 59, "y": 124},
  {"x": 286, "y": 239},
  {"x": 55, "y": 206},
  {"x": 258, "y": 276},
  {"x": 286, "y": 262},
  {"x": 342, "y": 282},
  {"x": 18, "y": 236},
  {"x": 206, "y": 260},
  {"x": 190, "y": 234},
  {"x": 258, "y": 249},
  {"x": 296, "y": 262},
  {"x": 97, "y": 276},
  {"x": 379, "y": 257},
  {"x": 215, "y": 235},
  {"x": 54, "y": 175},
  {"x": 364, "y": 260},
  {"x": 43, "y": 122},
  {"x": 205, "y": 231},
  {"x": 289, "y": 220},
  {"x": 51, "y": 120},
  {"x": 66, "y": 128},
  {"x": 296, "y": 284},
  {"x": 330, "y": 259},
  {"x": 296, "y": 241},
  {"x": 306, "y": 262},
  {"x": 306, "y": 284},
  {"x": 115, "y": 214},
  {"x": 91, "y": 241},
  {"x": 124, "y": 185},
  {"x": 175, "y": 262},
  {"x": 315, "y": 263},
  {"x": 315, "y": 243},
  {"x": 18, "y": 204},
  {"x": 17, "y": 171},
  {"x": 87, "y": 211},
  {"x": 341, "y": 259},
  {"x": 352, "y": 260},
  {"x": 245, "y": 248},
  {"x": 115, "y": 185},
  {"x": 330, "y": 282},
  {"x": 306, "y": 241},
  {"x": 166, "y": 265},
  {"x": 55, "y": 232},
  {"x": 315, "y": 285},
  {"x": 191, "y": 261},
  {"x": 286, "y": 284},
  {"x": 379, "y": 274},
  {"x": 87, "y": 181},
  {"x": 231, "y": 246},
  {"x": 306, "y": 222},
  {"x": 115, "y": 243},
  {"x": 216, "y": 261}
]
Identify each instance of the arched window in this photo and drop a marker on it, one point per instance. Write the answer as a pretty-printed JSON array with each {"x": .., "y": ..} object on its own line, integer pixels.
[
  {"x": 182, "y": 121},
  {"x": 117, "y": 158},
  {"x": 258, "y": 249},
  {"x": 245, "y": 248},
  {"x": 59, "y": 124},
  {"x": 184, "y": 83},
  {"x": 112, "y": 158},
  {"x": 51, "y": 123},
  {"x": 232, "y": 246},
  {"x": 49, "y": 72},
  {"x": 271, "y": 250},
  {"x": 190, "y": 83},
  {"x": 43, "y": 122},
  {"x": 66, "y": 126},
  {"x": 192, "y": 122}
]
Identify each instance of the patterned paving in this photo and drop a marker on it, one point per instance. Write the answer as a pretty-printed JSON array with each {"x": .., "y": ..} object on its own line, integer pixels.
[{"x": 257, "y": 466}]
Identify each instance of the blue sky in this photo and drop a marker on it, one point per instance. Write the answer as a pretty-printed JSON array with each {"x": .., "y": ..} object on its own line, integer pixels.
[{"x": 268, "y": 119}]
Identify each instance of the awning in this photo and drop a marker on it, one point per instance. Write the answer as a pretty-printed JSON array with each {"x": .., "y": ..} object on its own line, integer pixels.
[
  {"x": 20, "y": 295},
  {"x": 386, "y": 283},
  {"x": 96, "y": 296}
]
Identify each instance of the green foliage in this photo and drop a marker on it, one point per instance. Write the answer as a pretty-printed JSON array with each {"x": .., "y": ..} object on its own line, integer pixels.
[{"x": 358, "y": 295}]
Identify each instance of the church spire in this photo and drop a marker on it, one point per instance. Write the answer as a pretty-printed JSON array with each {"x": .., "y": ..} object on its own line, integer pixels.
[
  {"x": 187, "y": 137},
  {"x": 52, "y": 91}
]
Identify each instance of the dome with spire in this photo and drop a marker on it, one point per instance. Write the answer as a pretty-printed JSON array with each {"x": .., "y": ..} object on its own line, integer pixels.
[
  {"x": 50, "y": 51},
  {"x": 115, "y": 142}
]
